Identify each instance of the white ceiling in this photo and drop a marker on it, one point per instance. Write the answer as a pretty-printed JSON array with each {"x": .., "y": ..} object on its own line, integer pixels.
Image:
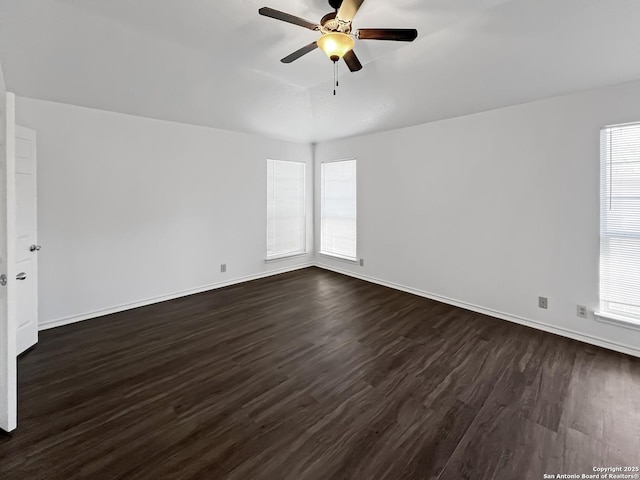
[{"x": 216, "y": 63}]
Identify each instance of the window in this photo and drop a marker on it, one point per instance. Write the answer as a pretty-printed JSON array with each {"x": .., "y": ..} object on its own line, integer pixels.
[
  {"x": 286, "y": 224},
  {"x": 338, "y": 210},
  {"x": 620, "y": 222}
]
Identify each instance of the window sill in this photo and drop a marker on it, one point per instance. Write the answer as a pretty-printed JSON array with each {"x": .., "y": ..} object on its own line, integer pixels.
[
  {"x": 286, "y": 256},
  {"x": 618, "y": 320},
  {"x": 339, "y": 257}
]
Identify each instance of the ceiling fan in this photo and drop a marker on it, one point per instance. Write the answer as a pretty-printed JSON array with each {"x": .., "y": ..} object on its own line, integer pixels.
[{"x": 337, "y": 39}]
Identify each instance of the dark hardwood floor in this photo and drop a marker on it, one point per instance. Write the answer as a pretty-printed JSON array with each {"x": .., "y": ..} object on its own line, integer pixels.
[{"x": 314, "y": 375}]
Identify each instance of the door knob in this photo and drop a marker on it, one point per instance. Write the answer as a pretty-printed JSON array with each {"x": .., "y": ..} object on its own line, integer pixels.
[
  {"x": 34, "y": 248},
  {"x": 21, "y": 276}
]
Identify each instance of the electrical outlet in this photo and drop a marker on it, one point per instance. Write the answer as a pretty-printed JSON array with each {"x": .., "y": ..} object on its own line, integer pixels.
[
  {"x": 362, "y": 262},
  {"x": 223, "y": 267},
  {"x": 581, "y": 311},
  {"x": 543, "y": 302}
]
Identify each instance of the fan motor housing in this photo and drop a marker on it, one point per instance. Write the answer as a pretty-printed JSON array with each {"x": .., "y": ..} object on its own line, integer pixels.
[{"x": 330, "y": 23}]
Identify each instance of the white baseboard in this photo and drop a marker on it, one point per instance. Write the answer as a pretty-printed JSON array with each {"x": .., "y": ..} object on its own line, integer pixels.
[
  {"x": 599, "y": 342},
  {"x": 627, "y": 349},
  {"x": 149, "y": 301}
]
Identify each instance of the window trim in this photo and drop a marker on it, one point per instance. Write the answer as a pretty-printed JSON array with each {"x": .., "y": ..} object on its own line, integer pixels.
[
  {"x": 618, "y": 320},
  {"x": 285, "y": 256},
  {"x": 335, "y": 256}
]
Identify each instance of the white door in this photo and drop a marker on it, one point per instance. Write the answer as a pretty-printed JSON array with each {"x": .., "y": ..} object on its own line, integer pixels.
[
  {"x": 8, "y": 372},
  {"x": 26, "y": 256}
]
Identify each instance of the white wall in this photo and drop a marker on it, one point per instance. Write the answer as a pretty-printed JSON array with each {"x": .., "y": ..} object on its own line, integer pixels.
[
  {"x": 488, "y": 211},
  {"x": 133, "y": 209},
  {"x": 3, "y": 85},
  {"x": 492, "y": 210}
]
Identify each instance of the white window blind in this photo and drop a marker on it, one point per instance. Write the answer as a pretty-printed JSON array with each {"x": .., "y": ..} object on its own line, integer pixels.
[
  {"x": 286, "y": 224},
  {"x": 338, "y": 210},
  {"x": 620, "y": 221}
]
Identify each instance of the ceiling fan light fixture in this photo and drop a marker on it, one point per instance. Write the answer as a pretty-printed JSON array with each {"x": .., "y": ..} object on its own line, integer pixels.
[{"x": 336, "y": 44}]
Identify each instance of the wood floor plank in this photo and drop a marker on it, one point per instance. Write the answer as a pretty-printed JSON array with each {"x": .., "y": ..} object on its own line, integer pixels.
[{"x": 314, "y": 375}]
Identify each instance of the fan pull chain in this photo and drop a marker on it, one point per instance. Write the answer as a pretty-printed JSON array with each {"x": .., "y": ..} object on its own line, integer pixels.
[{"x": 335, "y": 76}]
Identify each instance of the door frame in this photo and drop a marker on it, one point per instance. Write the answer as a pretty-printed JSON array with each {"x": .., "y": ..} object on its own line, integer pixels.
[{"x": 8, "y": 331}]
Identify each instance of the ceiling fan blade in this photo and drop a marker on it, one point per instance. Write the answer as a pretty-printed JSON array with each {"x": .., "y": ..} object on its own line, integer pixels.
[
  {"x": 298, "y": 53},
  {"x": 351, "y": 59},
  {"x": 285, "y": 17},
  {"x": 348, "y": 9},
  {"x": 397, "y": 34}
]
